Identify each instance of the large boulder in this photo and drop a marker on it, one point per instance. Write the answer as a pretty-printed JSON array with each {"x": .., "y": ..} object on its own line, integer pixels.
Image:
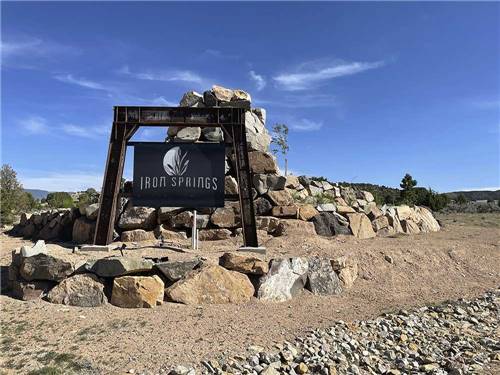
[
  {"x": 117, "y": 266},
  {"x": 394, "y": 221},
  {"x": 176, "y": 270},
  {"x": 258, "y": 138},
  {"x": 292, "y": 182},
  {"x": 267, "y": 223},
  {"x": 285, "y": 211},
  {"x": 91, "y": 211},
  {"x": 38, "y": 248},
  {"x": 360, "y": 225},
  {"x": 262, "y": 206},
  {"x": 222, "y": 94},
  {"x": 169, "y": 235},
  {"x": 265, "y": 182},
  {"x": 427, "y": 221},
  {"x": 45, "y": 267},
  {"x": 410, "y": 227},
  {"x": 262, "y": 162},
  {"x": 84, "y": 290},
  {"x": 380, "y": 223},
  {"x": 243, "y": 263},
  {"x": 214, "y": 234},
  {"x": 211, "y": 285},
  {"x": 224, "y": 217},
  {"x": 307, "y": 212},
  {"x": 212, "y": 134},
  {"x": 289, "y": 226},
  {"x": 30, "y": 290},
  {"x": 138, "y": 218},
  {"x": 137, "y": 235},
  {"x": 285, "y": 279},
  {"x": 188, "y": 134},
  {"x": 328, "y": 224},
  {"x": 404, "y": 212},
  {"x": 191, "y": 99},
  {"x": 83, "y": 230},
  {"x": 280, "y": 198},
  {"x": 165, "y": 214},
  {"x": 321, "y": 278},
  {"x": 137, "y": 291}
]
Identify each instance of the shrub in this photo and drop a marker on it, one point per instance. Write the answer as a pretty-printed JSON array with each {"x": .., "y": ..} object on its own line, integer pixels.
[{"x": 59, "y": 200}]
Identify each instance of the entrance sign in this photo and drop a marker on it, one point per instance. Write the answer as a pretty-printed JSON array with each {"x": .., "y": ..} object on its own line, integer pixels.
[
  {"x": 127, "y": 120},
  {"x": 189, "y": 175}
]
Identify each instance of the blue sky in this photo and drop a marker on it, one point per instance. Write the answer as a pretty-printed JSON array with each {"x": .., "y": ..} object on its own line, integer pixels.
[{"x": 370, "y": 91}]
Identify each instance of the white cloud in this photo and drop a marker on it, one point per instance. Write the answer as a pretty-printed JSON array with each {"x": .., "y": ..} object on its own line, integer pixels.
[
  {"x": 85, "y": 131},
  {"x": 57, "y": 181},
  {"x": 185, "y": 76},
  {"x": 304, "y": 124},
  {"x": 259, "y": 80},
  {"x": 35, "y": 125},
  {"x": 299, "y": 101},
  {"x": 311, "y": 74},
  {"x": 219, "y": 54},
  {"x": 68, "y": 78}
]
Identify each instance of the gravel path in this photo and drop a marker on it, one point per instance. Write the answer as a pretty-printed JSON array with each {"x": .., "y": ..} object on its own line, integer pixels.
[{"x": 461, "y": 337}]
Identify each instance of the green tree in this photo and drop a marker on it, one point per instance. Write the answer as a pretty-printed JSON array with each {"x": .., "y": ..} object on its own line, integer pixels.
[
  {"x": 11, "y": 194},
  {"x": 408, "y": 194},
  {"x": 280, "y": 142},
  {"x": 462, "y": 199},
  {"x": 59, "y": 200}
]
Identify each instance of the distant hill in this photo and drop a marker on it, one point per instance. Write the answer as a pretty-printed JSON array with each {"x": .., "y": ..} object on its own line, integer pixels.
[
  {"x": 477, "y": 195},
  {"x": 37, "y": 194}
]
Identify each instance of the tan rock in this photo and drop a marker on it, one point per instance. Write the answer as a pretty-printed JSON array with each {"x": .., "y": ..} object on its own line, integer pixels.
[
  {"x": 348, "y": 275},
  {"x": 403, "y": 212},
  {"x": 288, "y": 226},
  {"x": 214, "y": 234},
  {"x": 373, "y": 212},
  {"x": 307, "y": 212},
  {"x": 386, "y": 232},
  {"x": 292, "y": 182},
  {"x": 84, "y": 290},
  {"x": 410, "y": 227},
  {"x": 379, "y": 223},
  {"x": 230, "y": 185},
  {"x": 267, "y": 223},
  {"x": 211, "y": 285},
  {"x": 167, "y": 234},
  {"x": 241, "y": 95},
  {"x": 137, "y": 235},
  {"x": 224, "y": 217},
  {"x": 284, "y": 211},
  {"x": 280, "y": 198},
  {"x": 243, "y": 263},
  {"x": 360, "y": 225},
  {"x": 345, "y": 209},
  {"x": 137, "y": 291},
  {"x": 394, "y": 220},
  {"x": 262, "y": 162},
  {"x": 222, "y": 94},
  {"x": 427, "y": 221},
  {"x": 339, "y": 201},
  {"x": 367, "y": 196}
]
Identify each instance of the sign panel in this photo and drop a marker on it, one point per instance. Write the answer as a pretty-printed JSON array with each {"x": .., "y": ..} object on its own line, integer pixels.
[{"x": 187, "y": 175}]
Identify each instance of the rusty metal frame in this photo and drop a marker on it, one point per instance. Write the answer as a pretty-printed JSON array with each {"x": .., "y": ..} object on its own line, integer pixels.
[{"x": 127, "y": 120}]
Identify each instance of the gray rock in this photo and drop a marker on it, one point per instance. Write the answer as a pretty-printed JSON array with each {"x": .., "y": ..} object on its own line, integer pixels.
[
  {"x": 190, "y": 134},
  {"x": 209, "y": 99},
  {"x": 326, "y": 207},
  {"x": 38, "y": 248},
  {"x": 30, "y": 290},
  {"x": 258, "y": 138},
  {"x": 284, "y": 280},
  {"x": 230, "y": 186},
  {"x": 265, "y": 182},
  {"x": 191, "y": 99},
  {"x": 212, "y": 134},
  {"x": 175, "y": 270},
  {"x": 138, "y": 218},
  {"x": 321, "y": 278},
  {"x": 214, "y": 234},
  {"x": 92, "y": 211},
  {"x": 328, "y": 224},
  {"x": 45, "y": 267},
  {"x": 117, "y": 266},
  {"x": 84, "y": 290},
  {"x": 262, "y": 206}
]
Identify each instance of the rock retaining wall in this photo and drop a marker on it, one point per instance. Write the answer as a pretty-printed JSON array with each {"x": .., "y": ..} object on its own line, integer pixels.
[
  {"x": 133, "y": 282},
  {"x": 313, "y": 206}
]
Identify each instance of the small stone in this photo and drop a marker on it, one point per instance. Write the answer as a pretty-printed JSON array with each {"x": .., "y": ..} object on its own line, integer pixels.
[{"x": 302, "y": 368}]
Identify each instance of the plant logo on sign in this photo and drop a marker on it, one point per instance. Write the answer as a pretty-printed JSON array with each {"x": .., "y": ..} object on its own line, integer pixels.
[{"x": 175, "y": 162}]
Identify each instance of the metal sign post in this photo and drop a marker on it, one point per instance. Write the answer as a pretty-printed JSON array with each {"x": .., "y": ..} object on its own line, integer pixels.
[{"x": 194, "y": 234}]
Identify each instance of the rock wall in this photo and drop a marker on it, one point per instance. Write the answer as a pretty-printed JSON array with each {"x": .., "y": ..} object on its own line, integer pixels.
[
  {"x": 281, "y": 203},
  {"x": 133, "y": 282}
]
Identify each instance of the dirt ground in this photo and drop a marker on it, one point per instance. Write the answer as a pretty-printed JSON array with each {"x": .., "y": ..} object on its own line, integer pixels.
[{"x": 462, "y": 260}]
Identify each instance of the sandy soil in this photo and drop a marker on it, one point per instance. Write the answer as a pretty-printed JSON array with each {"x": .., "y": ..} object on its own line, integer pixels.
[{"x": 462, "y": 260}]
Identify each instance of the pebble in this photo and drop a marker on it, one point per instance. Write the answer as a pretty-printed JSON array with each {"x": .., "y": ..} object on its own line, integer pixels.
[{"x": 450, "y": 338}]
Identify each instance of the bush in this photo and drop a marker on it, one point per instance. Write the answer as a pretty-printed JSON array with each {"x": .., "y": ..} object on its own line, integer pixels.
[
  {"x": 59, "y": 200},
  {"x": 13, "y": 198}
]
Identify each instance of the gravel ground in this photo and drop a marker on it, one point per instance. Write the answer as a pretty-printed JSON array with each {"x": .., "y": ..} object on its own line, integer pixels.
[{"x": 459, "y": 337}]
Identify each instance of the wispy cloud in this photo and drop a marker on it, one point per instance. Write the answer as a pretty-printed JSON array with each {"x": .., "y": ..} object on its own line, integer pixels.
[
  {"x": 311, "y": 74},
  {"x": 35, "y": 125},
  {"x": 85, "y": 131},
  {"x": 219, "y": 54},
  {"x": 485, "y": 104},
  {"x": 28, "y": 52},
  {"x": 185, "y": 76},
  {"x": 69, "y": 78},
  {"x": 258, "y": 79},
  {"x": 306, "y": 125},
  {"x": 299, "y": 101}
]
